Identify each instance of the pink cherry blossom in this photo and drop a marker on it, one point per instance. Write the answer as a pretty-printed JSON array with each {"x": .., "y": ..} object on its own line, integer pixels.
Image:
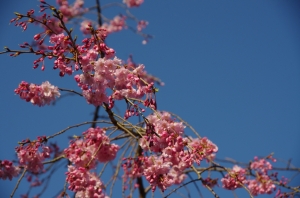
[
  {"x": 84, "y": 183},
  {"x": 39, "y": 95},
  {"x": 133, "y": 3},
  {"x": 117, "y": 24},
  {"x": 31, "y": 157},
  {"x": 261, "y": 185},
  {"x": 142, "y": 25},
  {"x": 95, "y": 147},
  {"x": 171, "y": 153},
  {"x": 8, "y": 170},
  {"x": 85, "y": 26},
  {"x": 235, "y": 178},
  {"x": 262, "y": 165},
  {"x": 203, "y": 148},
  {"x": 70, "y": 11}
]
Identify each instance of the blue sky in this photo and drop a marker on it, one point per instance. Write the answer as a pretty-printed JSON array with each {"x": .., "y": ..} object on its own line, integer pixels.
[{"x": 231, "y": 70}]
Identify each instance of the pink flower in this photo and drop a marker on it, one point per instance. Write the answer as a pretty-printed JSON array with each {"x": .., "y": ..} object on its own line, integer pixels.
[
  {"x": 155, "y": 172},
  {"x": 203, "y": 148},
  {"x": 70, "y": 11},
  {"x": 142, "y": 25},
  {"x": 133, "y": 3},
  {"x": 115, "y": 25},
  {"x": 95, "y": 147},
  {"x": 31, "y": 158},
  {"x": 85, "y": 26},
  {"x": 37, "y": 94},
  {"x": 235, "y": 178},
  {"x": 262, "y": 165},
  {"x": 8, "y": 170},
  {"x": 84, "y": 183},
  {"x": 261, "y": 185}
]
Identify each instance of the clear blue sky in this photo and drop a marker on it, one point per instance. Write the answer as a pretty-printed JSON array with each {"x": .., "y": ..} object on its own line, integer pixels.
[{"x": 231, "y": 70}]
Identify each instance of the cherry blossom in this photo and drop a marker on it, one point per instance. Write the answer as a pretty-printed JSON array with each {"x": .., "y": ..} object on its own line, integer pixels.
[
  {"x": 261, "y": 185},
  {"x": 203, "y": 149},
  {"x": 133, "y": 3},
  {"x": 39, "y": 95},
  {"x": 84, "y": 183},
  {"x": 31, "y": 157},
  {"x": 164, "y": 154},
  {"x": 115, "y": 25},
  {"x": 235, "y": 178},
  {"x": 72, "y": 10},
  {"x": 8, "y": 170},
  {"x": 95, "y": 147},
  {"x": 142, "y": 25},
  {"x": 262, "y": 165}
]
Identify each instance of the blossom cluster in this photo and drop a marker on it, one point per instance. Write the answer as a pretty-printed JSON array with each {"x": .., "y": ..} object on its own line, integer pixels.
[
  {"x": 94, "y": 147},
  {"x": 8, "y": 170},
  {"x": 101, "y": 70},
  {"x": 164, "y": 151},
  {"x": 262, "y": 184},
  {"x": 32, "y": 154},
  {"x": 39, "y": 95},
  {"x": 165, "y": 167},
  {"x": 115, "y": 25},
  {"x": 141, "y": 25},
  {"x": 235, "y": 178},
  {"x": 72, "y": 10},
  {"x": 84, "y": 183},
  {"x": 106, "y": 74},
  {"x": 84, "y": 154},
  {"x": 133, "y": 3}
]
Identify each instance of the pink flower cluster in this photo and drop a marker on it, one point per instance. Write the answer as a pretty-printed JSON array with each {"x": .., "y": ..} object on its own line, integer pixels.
[
  {"x": 83, "y": 55},
  {"x": 141, "y": 25},
  {"x": 98, "y": 74},
  {"x": 202, "y": 148},
  {"x": 115, "y": 25},
  {"x": 37, "y": 94},
  {"x": 236, "y": 178},
  {"x": 85, "y": 26},
  {"x": 280, "y": 194},
  {"x": 110, "y": 74},
  {"x": 133, "y": 3},
  {"x": 8, "y": 170},
  {"x": 70, "y": 11},
  {"x": 165, "y": 167},
  {"x": 262, "y": 184},
  {"x": 31, "y": 157},
  {"x": 95, "y": 147},
  {"x": 84, "y": 183},
  {"x": 61, "y": 45},
  {"x": 85, "y": 154}
]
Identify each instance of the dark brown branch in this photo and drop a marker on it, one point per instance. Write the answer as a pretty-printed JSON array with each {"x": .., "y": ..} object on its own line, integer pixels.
[
  {"x": 99, "y": 12},
  {"x": 96, "y": 112},
  {"x": 142, "y": 192},
  {"x": 96, "y": 116},
  {"x": 117, "y": 124}
]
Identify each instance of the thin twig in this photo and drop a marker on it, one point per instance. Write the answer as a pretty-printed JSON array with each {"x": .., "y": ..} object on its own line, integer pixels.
[
  {"x": 77, "y": 125},
  {"x": 19, "y": 181},
  {"x": 69, "y": 90},
  {"x": 54, "y": 160}
]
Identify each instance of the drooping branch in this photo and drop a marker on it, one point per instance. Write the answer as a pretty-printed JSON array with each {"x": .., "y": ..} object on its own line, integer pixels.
[{"x": 97, "y": 109}]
